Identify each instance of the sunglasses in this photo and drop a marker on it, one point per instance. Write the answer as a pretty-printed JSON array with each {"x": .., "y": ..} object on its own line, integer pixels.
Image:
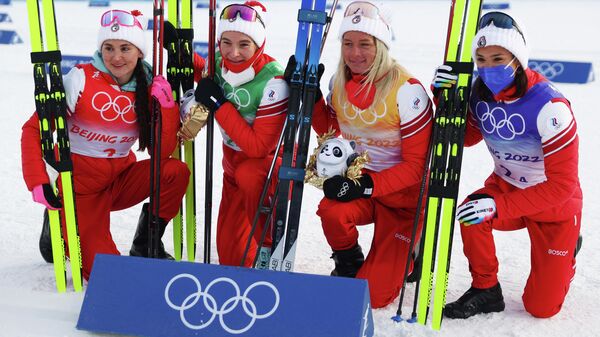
[
  {"x": 500, "y": 20},
  {"x": 123, "y": 18},
  {"x": 245, "y": 12},
  {"x": 365, "y": 9}
]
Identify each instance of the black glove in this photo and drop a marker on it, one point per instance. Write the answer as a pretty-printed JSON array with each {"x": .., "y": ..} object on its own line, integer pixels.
[
  {"x": 170, "y": 34},
  {"x": 289, "y": 70},
  {"x": 209, "y": 94},
  {"x": 46, "y": 196},
  {"x": 344, "y": 189}
]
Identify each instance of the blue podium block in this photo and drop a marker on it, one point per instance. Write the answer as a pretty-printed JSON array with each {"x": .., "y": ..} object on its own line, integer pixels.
[
  {"x": 563, "y": 71},
  {"x": 150, "y": 297},
  {"x": 69, "y": 61},
  {"x": 495, "y": 5},
  {"x": 4, "y": 17},
  {"x": 5, "y": 2},
  {"x": 9, "y": 37},
  {"x": 201, "y": 48},
  {"x": 99, "y": 3},
  {"x": 150, "y": 25}
]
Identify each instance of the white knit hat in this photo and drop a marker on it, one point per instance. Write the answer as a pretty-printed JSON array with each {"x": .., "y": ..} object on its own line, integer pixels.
[
  {"x": 377, "y": 27},
  {"x": 132, "y": 34},
  {"x": 507, "y": 38},
  {"x": 254, "y": 29}
]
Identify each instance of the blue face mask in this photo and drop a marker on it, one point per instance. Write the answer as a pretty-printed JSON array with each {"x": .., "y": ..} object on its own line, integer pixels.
[{"x": 498, "y": 78}]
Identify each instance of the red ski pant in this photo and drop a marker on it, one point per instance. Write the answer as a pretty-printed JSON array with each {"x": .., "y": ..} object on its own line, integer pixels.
[
  {"x": 239, "y": 202},
  {"x": 552, "y": 255},
  {"x": 105, "y": 185},
  {"x": 393, "y": 217}
]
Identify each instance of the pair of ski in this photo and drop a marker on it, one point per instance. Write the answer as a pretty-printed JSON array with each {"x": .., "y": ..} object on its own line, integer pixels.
[
  {"x": 283, "y": 213},
  {"x": 51, "y": 108},
  {"x": 443, "y": 171},
  {"x": 180, "y": 74}
]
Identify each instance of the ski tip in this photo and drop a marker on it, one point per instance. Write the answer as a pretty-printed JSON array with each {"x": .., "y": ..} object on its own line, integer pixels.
[{"x": 397, "y": 318}]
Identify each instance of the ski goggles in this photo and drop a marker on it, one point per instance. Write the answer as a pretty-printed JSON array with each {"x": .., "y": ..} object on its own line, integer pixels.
[
  {"x": 365, "y": 9},
  {"x": 245, "y": 12},
  {"x": 500, "y": 20},
  {"x": 122, "y": 18}
]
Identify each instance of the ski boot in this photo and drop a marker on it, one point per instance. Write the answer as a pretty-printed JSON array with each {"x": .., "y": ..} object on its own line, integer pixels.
[
  {"x": 140, "y": 239},
  {"x": 46, "y": 240},
  {"x": 347, "y": 262},
  {"x": 476, "y": 301}
]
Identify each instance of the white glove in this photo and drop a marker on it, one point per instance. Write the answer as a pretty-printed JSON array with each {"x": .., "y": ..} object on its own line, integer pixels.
[
  {"x": 443, "y": 77},
  {"x": 480, "y": 208}
]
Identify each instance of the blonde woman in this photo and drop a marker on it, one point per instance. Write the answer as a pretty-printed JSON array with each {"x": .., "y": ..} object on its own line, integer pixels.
[{"x": 376, "y": 103}]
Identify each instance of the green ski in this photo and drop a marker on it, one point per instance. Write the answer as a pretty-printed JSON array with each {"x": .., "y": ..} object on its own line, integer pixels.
[{"x": 180, "y": 73}]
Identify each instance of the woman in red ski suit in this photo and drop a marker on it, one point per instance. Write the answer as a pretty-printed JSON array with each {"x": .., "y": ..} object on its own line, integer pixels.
[
  {"x": 249, "y": 98},
  {"x": 108, "y": 111},
  {"x": 378, "y": 104},
  {"x": 531, "y": 133}
]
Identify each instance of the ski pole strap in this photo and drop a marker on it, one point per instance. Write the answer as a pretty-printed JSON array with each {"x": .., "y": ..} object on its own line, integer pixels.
[
  {"x": 461, "y": 67},
  {"x": 290, "y": 173},
  {"x": 46, "y": 56},
  {"x": 312, "y": 16}
]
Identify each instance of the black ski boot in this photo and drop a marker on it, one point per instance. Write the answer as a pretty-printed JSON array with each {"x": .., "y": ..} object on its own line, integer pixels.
[
  {"x": 578, "y": 245},
  {"x": 46, "y": 240},
  {"x": 347, "y": 262},
  {"x": 140, "y": 240},
  {"x": 476, "y": 301}
]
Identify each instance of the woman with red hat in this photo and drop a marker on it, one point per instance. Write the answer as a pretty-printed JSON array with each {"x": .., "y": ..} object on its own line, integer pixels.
[{"x": 108, "y": 111}]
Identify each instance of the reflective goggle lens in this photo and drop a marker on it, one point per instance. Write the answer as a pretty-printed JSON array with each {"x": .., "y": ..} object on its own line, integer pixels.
[
  {"x": 246, "y": 13},
  {"x": 365, "y": 9},
  {"x": 121, "y": 17},
  {"x": 500, "y": 20}
]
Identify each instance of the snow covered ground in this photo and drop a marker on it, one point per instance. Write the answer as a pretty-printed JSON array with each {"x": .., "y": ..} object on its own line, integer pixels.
[{"x": 563, "y": 30}]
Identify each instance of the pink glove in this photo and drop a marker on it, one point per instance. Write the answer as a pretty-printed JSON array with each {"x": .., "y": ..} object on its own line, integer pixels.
[
  {"x": 161, "y": 90},
  {"x": 44, "y": 195}
]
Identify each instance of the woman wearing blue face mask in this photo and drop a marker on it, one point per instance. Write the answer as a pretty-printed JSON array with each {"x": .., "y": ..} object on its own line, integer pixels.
[{"x": 531, "y": 134}]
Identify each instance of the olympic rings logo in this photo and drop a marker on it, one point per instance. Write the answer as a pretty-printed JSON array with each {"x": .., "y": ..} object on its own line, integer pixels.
[
  {"x": 497, "y": 121},
  {"x": 369, "y": 116},
  {"x": 240, "y": 97},
  {"x": 210, "y": 303},
  {"x": 104, "y": 104},
  {"x": 549, "y": 70},
  {"x": 344, "y": 189}
]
